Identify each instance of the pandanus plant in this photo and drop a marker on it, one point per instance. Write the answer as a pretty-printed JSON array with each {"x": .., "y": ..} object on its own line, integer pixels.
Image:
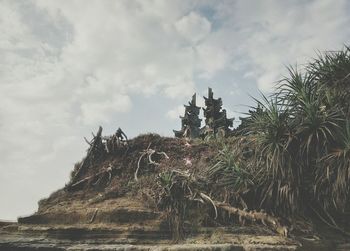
[
  {"x": 332, "y": 184},
  {"x": 301, "y": 139}
]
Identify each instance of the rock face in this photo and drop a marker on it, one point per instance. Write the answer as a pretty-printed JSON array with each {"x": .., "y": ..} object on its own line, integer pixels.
[
  {"x": 108, "y": 237},
  {"x": 122, "y": 237}
]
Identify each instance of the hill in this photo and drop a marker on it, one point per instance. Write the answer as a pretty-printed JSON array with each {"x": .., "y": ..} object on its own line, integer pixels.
[{"x": 278, "y": 182}]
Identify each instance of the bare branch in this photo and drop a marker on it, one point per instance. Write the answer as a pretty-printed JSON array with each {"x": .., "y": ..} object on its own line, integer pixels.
[
  {"x": 165, "y": 155},
  {"x": 138, "y": 165},
  {"x": 149, "y": 152},
  {"x": 208, "y": 199},
  {"x": 88, "y": 142},
  {"x": 93, "y": 216},
  {"x": 262, "y": 217}
]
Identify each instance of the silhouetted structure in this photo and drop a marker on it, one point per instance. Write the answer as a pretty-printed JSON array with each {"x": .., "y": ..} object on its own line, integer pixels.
[
  {"x": 216, "y": 121},
  {"x": 190, "y": 122}
]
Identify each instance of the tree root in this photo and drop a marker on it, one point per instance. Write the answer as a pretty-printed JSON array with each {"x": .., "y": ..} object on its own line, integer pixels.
[
  {"x": 254, "y": 216},
  {"x": 100, "y": 175},
  {"x": 93, "y": 216},
  {"x": 195, "y": 194},
  {"x": 150, "y": 153},
  {"x": 208, "y": 199}
]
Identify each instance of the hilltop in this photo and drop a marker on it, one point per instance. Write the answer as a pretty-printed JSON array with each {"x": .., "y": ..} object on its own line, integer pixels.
[{"x": 280, "y": 181}]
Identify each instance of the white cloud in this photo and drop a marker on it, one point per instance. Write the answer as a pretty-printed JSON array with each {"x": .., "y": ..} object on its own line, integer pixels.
[
  {"x": 211, "y": 59},
  {"x": 174, "y": 113},
  {"x": 275, "y": 33},
  {"x": 102, "y": 111},
  {"x": 14, "y": 35},
  {"x": 193, "y": 27}
]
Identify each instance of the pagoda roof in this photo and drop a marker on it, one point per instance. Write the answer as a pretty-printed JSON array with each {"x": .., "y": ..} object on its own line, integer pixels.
[{"x": 192, "y": 107}]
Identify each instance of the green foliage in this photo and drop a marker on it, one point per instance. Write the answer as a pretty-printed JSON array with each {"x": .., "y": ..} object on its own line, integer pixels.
[
  {"x": 331, "y": 72},
  {"x": 333, "y": 174},
  {"x": 292, "y": 152},
  {"x": 312, "y": 121},
  {"x": 278, "y": 179},
  {"x": 301, "y": 141},
  {"x": 166, "y": 181},
  {"x": 229, "y": 172}
]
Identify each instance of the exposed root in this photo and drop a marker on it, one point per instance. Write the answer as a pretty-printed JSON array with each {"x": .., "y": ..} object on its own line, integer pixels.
[
  {"x": 165, "y": 155},
  {"x": 208, "y": 199},
  {"x": 93, "y": 216},
  {"x": 99, "y": 175},
  {"x": 138, "y": 166},
  {"x": 149, "y": 152},
  {"x": 254, "y": 216},
  {"x": 190, "y": 186}
]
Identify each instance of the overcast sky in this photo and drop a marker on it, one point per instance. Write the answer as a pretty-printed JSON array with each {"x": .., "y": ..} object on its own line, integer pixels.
[{"x": 67, "y": 67}]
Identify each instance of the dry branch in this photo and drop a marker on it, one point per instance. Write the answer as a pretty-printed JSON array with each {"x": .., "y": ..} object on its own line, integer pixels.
[
  {"x": 91, "y": 177},
  {"x": 94, "y": 146},
  {"x": 149, "y": 152},
  {"x": 138, "y": 166},
  {"x": 208, "y": 199},
  {"x": 254, "y": 216},
  {"x": 93, "y": 216},
  {"x": 116, "y": 140}
]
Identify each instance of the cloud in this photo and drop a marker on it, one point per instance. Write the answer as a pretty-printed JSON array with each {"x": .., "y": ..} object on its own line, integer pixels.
[
  {"x": 174, "y": 113},
  {"x": 210, "y": 60},
  {"x": 193, "y": 27},
  {"x": 274, "y": 33},
  {"x": 102, "y": 110}
]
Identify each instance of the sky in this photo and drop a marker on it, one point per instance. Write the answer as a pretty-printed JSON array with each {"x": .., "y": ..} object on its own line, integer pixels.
[{"x": 68, "y": 66}]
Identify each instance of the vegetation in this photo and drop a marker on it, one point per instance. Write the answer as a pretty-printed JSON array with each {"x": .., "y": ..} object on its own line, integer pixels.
[
  {"x": 291, "y": 156},
  {"x": 301, "y": 140}
]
